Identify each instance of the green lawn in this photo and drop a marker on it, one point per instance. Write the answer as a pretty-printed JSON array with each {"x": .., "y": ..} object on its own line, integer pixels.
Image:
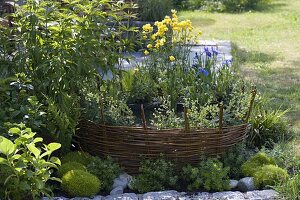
[{"x": 267, "y": 47}]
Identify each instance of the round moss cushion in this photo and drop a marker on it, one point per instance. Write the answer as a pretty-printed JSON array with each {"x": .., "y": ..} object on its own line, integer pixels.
[{"x": 79, "y": 183}]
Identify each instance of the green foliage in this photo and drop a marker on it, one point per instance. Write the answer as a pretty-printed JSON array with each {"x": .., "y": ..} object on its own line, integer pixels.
[
  {"x": 225, "y": 5},
  {"x": 286, "y": 156},
  {"x": 290, "y": 189},
  {"x": 78, "y": 183},
  {"x": 106, "y": 170},
  {"x": 5, "y": 172},
  {"x": 117, "y": 112},
  {"x": 269, "y": 175},
  {"x": 155, "y": 175},
  {"x": 254, "y": 163},
  {"x": 139, "y": 86},
  {"x": 64, "y": 168},
  {"x": 19, "y": 105},
  {"x": 154, "y": 10},
  {"x": 30, "y": 163},
  {"x": 166, "y": 117},
  {"x": 234, "y": 158},
  {"x": 268, "y": 127},
  {"x": 210, "y": 174},
  {"x": 62, "y": 47},
  {"x": 77, "y": 156}
]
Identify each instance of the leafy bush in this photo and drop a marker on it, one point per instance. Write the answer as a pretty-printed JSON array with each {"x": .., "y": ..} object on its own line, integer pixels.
[
  {"x": 154, "y": 10},
  {"x": 30, "y": 166},
  {"x": 234, "y": 158},
  {"x": 286, "y": 156},
  {"x": 80, "y": 183},
  {"x": 106, "y": 170},
  {"x": 225, "y": 5},
  {"x": 155, "y": 175},
  {"x": 64, "y": 168},
  {"x": 19, "y": 105},
  {"x": 139, "y": 85},
  {"x": 5, "y": 172},
  {"x": 254, "y": 163},
  {"x": 210, "y": 174},
  {"x": 269, "y": 175},
  {"x": 290, "y": 189},
  {"x": 77, "y": 156},
  {"x": 268, "y": 127}
]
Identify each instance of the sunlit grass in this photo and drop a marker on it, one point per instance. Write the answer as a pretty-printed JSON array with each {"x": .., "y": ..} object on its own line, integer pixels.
[{"x": 266, "y": 46}]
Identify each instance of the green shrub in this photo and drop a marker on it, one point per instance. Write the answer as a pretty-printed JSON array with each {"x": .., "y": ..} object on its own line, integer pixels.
[
  {"x": 64, "y": 168},
  {"x": 77, "y": 156},
  {"x": 269, "y": 175},
  {"x": 80, "y": 183},
  {"x": 234, "y": 158},
  {"x": 242, "y": 5},
  {"x": 154, "y": 10},
  {"x": 290, "y": 189},
  {"x": 5, "y": 172},
  {"x": 210, "y": 174},
  {"x": 286, "y": 156},
  {"x": 106, "y": 170},
  {"x": 155, "y": 175},
  {"x": 30, "y": 166},
  {"x": 268, "y": 127},
  {"x": 253, "y": 164}
]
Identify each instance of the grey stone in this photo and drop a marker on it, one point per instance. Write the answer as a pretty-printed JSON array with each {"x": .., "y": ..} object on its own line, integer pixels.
[
  {"x": 120, "y": 183},
  {"x": 125, "y": 176},
  {"x": 163, "y": 195},
  {"x": 98, "y": 197},
  {"x": 55, "y": 198},
  {"x": 246, "y": 184},
  {"x": 228, "y": 196},
  {"x": 126, "y": 196},
  {"x": 233, "y": 184},
  {"x": 262, "y": 195},
  {"x": 202, "y": 196},
  {"x": 117, "y": 190},
  {"x": 80, "y": 198}
]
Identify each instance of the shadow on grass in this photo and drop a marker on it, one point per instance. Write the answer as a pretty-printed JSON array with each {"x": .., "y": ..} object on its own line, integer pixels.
[
  {"x": 270, "y": 8},
  {"x": 201, "y": 21},
  {"x": 244, "y": 56}
]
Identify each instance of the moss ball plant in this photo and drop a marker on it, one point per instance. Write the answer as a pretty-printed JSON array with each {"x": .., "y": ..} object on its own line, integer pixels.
[
  {"x": 77, "y": 156},
  {"x": 253, "y": 164},
  {"x": 80, "y": 183},
  {"x": 64, "y": 168},
  {"x": 269, "y": 175}
]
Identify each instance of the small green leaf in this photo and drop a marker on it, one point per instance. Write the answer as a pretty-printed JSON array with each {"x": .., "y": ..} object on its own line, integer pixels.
[
  {"x": 7, "y": 147},
  {"x": 34, "y": 150},
  {"x": 14, "y": 130},
  {"x": 53, "y": 146},
  {"x": 16, "y": 157}
]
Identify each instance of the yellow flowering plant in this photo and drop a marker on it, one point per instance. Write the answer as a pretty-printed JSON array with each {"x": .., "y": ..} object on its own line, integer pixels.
[{"x": 167, "y": 47}]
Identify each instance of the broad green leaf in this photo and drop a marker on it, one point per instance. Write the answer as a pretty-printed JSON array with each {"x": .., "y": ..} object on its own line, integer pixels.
[
  {"x": 14, "y": 130},
  {"x": 55, "y": 160},
  {"x": 38, "y": 139},
  {"x": 3, "y": 161},
  {"x": 55, "y": 179},
  {"x": 53, "y": 146},
  {"x": 34, "y": 150},
  {"x": 7, "y": 147},
  {"x": 46, "y": 154},
  {"x": 16, "y": 157}
]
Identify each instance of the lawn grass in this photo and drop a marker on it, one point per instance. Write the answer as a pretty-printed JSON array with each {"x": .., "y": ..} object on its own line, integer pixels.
[{"x": 266, "y": 46}]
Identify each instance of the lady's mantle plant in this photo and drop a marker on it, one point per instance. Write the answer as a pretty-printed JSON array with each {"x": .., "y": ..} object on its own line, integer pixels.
[{"x": 30, "y": 163}]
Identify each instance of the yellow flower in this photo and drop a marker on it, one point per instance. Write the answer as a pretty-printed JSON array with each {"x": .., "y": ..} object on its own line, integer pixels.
[
  {"x": 136, "y": 70},
  {"x": 145, "y": 36},
  {"x": 146, "y": 52},
  {"x": 200, "y": 33},
  {"x": 172, "y": 58},
  {"x": 149, "y": 46},
  {"x": 153, "y": 37},
  {"x": 147, "y": 28}
]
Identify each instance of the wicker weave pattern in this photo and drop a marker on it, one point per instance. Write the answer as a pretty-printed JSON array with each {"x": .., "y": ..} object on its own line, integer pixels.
[{"x": 130, "y": 144}]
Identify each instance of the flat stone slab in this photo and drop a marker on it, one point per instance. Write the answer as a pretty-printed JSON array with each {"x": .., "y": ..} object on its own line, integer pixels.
[{"x": 174, "y": 195}]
